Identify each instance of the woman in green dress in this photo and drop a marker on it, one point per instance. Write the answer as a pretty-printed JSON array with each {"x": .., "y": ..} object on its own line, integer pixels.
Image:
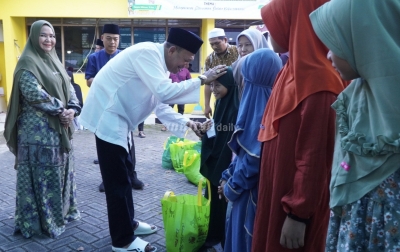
[{"x": 38, "y": 131}]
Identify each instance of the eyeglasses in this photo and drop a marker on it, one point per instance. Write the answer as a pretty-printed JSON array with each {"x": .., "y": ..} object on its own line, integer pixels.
[{"x": 50, "y": 36}]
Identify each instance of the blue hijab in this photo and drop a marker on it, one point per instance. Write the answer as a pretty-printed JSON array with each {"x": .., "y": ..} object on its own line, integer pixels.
[{"x": 259, "y": 71}]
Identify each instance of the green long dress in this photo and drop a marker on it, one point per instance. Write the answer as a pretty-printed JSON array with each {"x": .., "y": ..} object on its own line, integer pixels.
[{"x": 46, "y": 189}]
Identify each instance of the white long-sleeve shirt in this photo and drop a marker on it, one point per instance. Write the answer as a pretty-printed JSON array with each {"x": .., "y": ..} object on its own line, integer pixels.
[{"x": 129, "y": 88}]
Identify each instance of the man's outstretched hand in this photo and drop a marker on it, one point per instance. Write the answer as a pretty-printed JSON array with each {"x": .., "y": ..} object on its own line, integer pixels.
[{"x": 195, "y": 127}]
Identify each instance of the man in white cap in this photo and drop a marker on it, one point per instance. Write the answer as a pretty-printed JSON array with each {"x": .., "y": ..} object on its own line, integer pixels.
[
  {"x": 223, "y": 54},
  {"x": 124, "y": 93}
]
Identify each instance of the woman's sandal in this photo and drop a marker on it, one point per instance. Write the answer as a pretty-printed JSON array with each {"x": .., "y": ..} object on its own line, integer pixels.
[
  {"x": 138, "y": 245},
  {"x": 141, "y": 134},
  {"x": 164, "y": 128}
]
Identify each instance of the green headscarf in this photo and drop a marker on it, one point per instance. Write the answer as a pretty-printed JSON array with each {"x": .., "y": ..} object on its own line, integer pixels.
[
  {"x": 215, "y": 152},
  {"x": 50, "y": 73},
  {"x": 367, "y": 149}
]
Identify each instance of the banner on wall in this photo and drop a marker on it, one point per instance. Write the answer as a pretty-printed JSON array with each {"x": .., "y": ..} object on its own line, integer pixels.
[{"x": 217, "y": 9}]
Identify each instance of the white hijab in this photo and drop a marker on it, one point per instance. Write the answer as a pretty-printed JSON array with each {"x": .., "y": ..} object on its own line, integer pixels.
[{"x": 258, "y": 41}]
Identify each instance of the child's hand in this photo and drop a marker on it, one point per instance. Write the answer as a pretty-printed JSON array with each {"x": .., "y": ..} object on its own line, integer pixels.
[
  {"x": 206, "y": 126},
  {"x": 292, "y": 234},
  {"x": 221, "y": 190}
]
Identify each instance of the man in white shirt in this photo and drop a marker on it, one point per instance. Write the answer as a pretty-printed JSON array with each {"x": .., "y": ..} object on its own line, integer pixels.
[
  {"x": 96, "y": 61},
  {"x": 123, "y": 94}
]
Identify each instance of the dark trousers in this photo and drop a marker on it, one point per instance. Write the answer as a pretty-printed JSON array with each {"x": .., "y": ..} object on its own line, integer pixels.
[
  {"x": 216, "y": 228},
  {"x": 140, "y": 127},
  {"x": 131, "y": 169},
  {"x": 181, "y": 108},
  {"x": 115, "y": 165},
  {"x": 132, "y": 173}
]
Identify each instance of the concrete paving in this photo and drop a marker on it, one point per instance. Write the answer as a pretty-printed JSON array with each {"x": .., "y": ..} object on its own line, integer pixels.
[
  {"x": 2, "y": 120},
  {"x": 91, "y": 232}
]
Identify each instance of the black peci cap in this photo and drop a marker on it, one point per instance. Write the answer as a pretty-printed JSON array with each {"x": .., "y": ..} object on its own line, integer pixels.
[
  {"x": 110, "y": 28},
  {"x": 185, "y": 39},
  {"x": 99, "y": 43}
]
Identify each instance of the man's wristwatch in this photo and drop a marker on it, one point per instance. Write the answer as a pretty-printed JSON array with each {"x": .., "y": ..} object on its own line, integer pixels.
[{"x": 203, "y": 79}]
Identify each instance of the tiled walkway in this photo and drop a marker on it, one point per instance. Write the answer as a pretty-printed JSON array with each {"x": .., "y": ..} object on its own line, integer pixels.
[{"x": 91, "y": 232}]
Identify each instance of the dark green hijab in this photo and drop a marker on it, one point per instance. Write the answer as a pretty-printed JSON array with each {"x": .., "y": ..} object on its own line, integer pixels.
[
  {"x": 50, "y": 73},
  {"x": 215, "y": 153}
]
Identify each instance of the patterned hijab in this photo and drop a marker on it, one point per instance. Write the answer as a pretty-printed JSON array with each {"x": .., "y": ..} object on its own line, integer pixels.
[{"x": 50, "y": 73}]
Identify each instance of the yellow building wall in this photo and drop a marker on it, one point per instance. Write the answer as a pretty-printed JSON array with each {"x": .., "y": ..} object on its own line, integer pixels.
[
  {"x": 13, "y": 14},
  {"x": 207, "y": 25},
  {"x": 14, "y": 33},
  {"x": 63, "y": 8},
  {"x": 3, "y": 106}
]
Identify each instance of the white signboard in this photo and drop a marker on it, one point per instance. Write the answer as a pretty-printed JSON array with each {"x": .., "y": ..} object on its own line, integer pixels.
[{"x": 217, "y": 9}]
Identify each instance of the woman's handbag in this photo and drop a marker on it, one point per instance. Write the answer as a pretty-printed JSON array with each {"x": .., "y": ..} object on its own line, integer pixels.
[{"x": 186, "y": 219}]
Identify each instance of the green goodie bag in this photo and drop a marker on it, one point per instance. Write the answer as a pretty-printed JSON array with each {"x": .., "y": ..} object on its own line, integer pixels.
[
  {"x": 166, "y": 157},
  {"x": 191, "y": 167},
  {"x": 177, "y": 152},
  {"x": 186, "y": 219}
]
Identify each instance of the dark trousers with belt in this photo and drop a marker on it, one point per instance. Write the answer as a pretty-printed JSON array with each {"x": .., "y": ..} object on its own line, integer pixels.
[{"x": 115, "y": 164}]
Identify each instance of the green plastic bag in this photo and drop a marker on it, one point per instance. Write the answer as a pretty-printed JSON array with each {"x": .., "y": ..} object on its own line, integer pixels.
[
  {"x": 191, "y": 167},
  {"x": 177, "y": 151},
  {"x": 166, "y": 157},
  {"x": 186, "y": 219}
]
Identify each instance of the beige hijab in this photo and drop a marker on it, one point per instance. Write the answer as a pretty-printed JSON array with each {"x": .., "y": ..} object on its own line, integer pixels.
[{"x": 258, "y": 41}]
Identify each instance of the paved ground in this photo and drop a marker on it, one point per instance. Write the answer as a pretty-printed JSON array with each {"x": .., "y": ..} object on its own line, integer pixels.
[{"x": 91, "y": 232}]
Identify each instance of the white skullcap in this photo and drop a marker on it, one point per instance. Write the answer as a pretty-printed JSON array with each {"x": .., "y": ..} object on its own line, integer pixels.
[{"x": 216, "y": 32}]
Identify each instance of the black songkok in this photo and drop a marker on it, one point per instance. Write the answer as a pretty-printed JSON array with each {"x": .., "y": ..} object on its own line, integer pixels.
[
  {"x": 185, "y": 39},
  {"x": 99, "y": 43},
  {"x": 110, "y": 28}
]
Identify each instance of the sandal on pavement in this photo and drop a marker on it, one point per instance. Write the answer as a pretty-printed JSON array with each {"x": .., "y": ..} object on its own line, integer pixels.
[
  {"x": 138, "y": 245},
  {"x": 144, "y": 229},
  {"x": 164, "y": 128}
]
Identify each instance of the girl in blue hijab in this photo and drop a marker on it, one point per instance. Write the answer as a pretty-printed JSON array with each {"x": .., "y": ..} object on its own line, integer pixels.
[{"x": 239, "y": 181}]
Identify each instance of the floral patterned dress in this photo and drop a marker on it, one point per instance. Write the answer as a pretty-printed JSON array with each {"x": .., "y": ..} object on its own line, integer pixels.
[
  {"x": 46, "y": 189},
  {"x": 369, "y": 224}
]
